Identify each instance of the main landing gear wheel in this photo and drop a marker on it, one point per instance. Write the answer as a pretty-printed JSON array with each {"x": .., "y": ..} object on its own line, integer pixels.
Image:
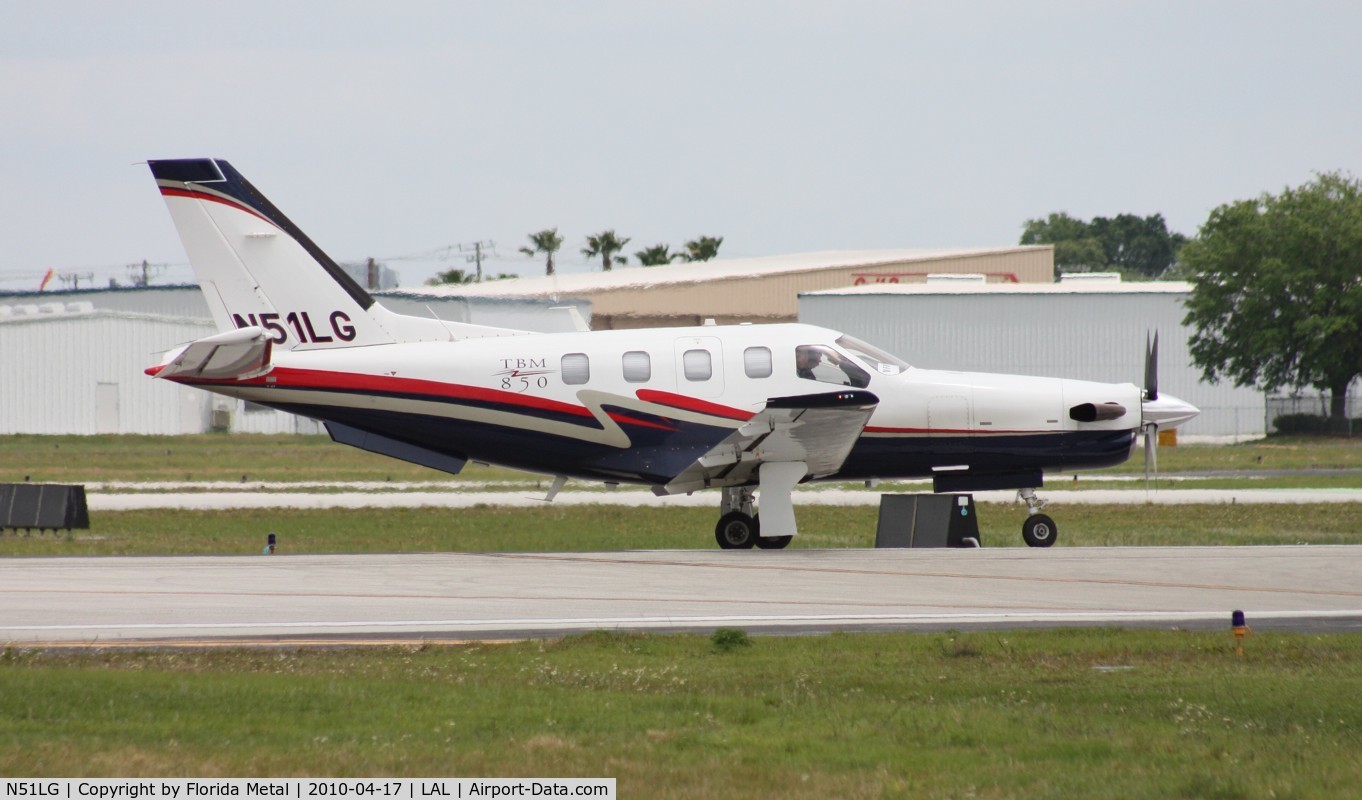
[
  {"x": 772, "y": 542},
  {"x": 1039, "y": 531},
  {"x": 737, "y": 531}
]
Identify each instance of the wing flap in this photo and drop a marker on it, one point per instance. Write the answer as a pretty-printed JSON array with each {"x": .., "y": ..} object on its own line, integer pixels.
[{"x": 816, "y": 430}]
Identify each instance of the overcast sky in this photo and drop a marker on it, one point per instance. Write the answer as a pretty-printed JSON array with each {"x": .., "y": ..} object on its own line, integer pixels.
[{"x": 393, "y": 129}]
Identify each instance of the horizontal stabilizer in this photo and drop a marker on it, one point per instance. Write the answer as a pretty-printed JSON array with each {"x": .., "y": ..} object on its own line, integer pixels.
[{"x": 234, "y": 355}]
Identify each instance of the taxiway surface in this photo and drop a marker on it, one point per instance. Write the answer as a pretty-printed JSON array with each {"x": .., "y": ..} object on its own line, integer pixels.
[{"x": 351, "y": 598}]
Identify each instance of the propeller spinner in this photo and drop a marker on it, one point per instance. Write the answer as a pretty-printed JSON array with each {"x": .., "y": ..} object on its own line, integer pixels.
[{"x": 1158, "y": 411}]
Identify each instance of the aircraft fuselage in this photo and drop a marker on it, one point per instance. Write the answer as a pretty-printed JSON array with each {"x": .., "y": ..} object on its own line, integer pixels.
[{"x": 639, "y": 405}]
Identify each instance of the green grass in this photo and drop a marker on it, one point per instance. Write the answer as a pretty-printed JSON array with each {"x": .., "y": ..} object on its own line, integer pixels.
[
  {"x": 981, "y": 715},
  {"x": 1272, "y": 453},
  {"x": 1088, "y": 713},
  {"x": 284, "y": 459},
  {"x": 209, "y": 457},
  {"x": 595, "y": 528}
]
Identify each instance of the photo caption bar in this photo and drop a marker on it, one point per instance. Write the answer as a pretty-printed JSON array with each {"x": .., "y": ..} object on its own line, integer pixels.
[{"x": 303, "y": 788}]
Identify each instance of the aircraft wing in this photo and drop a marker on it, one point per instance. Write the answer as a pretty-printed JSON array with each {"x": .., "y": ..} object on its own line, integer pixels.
[
  {"x": 817, "y": 430},
  {"x": 239, "y": 354}
]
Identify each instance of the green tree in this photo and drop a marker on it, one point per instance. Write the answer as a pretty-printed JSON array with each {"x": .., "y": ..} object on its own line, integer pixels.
[
  {"x": 1076, "y": 248},
  {"x": 546, "y": 241},
  {"x": 656, "y": 255},
  {"x": 1277, "y": 289},
  {"x": 459, "y": 276},
  {"x": 702, "y": 249},
  {"x": 605, "y": 244},
  {"x": 1137, "y": 246}
]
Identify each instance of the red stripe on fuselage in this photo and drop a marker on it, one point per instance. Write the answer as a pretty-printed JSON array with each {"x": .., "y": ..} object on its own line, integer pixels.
[{"x": 691, "y": 404}]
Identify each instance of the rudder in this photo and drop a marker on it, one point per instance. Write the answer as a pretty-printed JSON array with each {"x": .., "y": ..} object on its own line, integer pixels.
[{"x": 257, "y": 268}]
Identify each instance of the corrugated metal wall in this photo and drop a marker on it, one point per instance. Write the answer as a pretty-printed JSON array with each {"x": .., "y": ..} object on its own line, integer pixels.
[
  {"x": 773, "y": 298},
  {"x": 251, "y": 418},
  {"x": 526, "y": 314},
  {"x": 84, "y": 374},
  {"x": 1095, "y": 336}
]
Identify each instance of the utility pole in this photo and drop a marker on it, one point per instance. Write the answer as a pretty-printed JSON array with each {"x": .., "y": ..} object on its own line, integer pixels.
[
  {"x": 73, "y": 278},
  {"x": 141, "y": 274},
  {"x": 476, "y": 248}
]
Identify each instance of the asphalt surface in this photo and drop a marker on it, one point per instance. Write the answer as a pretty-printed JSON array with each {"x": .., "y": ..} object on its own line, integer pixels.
[
  {"x": 354, "y": 599},
  {"x": 221, "y": 499}
]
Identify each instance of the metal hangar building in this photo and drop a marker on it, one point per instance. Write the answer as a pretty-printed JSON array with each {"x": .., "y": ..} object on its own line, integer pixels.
[
  {"x": 750, "y": 289},
  {"x": 1087, "y": 326}
]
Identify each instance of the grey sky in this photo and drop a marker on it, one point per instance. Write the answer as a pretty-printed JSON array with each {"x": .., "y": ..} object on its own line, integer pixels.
[{"x": 396, "y": 128}]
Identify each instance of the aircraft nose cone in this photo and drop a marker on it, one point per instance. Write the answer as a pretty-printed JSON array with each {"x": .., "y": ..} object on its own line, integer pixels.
[{"x": 1167, "y": 411}]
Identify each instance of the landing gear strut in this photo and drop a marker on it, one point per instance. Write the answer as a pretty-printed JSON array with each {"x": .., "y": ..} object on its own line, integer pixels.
[
  {"x": 740, "y": 526},
  {"x": 1038, "y": 530}
]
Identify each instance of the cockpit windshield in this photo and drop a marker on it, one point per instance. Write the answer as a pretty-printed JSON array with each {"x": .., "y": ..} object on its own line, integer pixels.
[
  {"x": 818, "y": 362},
  {"x": 873, "y": 357}
]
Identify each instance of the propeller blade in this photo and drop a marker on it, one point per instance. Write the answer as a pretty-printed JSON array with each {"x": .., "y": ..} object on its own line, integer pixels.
[
  {"x": 1154, "y": 451},
  {"x": 1151, "y": 453},
  {"x": 1147, "y": 456},
  {"x": 1151, "y": 367}
]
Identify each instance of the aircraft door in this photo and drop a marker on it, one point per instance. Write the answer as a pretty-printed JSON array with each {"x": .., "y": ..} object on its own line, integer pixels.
[
  {"x": 700, "y": 366},
  {"x": 948, "y": 415}
]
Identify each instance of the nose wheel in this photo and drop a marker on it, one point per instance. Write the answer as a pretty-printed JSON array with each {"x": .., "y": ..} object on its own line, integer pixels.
[{"x": 1039, "y": 530}]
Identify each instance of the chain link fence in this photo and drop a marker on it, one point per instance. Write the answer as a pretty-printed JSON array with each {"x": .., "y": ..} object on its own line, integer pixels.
[{"x": 1309, "y": 414}]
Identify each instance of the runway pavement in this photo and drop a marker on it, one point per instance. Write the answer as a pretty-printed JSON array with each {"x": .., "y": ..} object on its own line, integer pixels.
[
  {"x": 468, "y": 498},
  {"x": 356, "y": 598}
]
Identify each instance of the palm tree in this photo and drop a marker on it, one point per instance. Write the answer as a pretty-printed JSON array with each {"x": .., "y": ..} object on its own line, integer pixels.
[
  {"x": 546, "y": 241},
  {"x": 656, "y": 255},
  {"x": 451, "y": 276},
  {"x": 605, "y": 244},
  {"x": 459, "y": 276},
  {"x": 702, "y": 249}
]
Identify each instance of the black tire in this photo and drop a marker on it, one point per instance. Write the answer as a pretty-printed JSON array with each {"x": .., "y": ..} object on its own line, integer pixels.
[
  {"x": 1039, "y": 531},
  {"x": 771, "y": 542},
  {"x": 736, "y": 531}
]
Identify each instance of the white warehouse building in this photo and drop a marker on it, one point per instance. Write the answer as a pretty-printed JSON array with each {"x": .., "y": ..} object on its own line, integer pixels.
[
  {"x": 73, "y": 369},
  {"x": 74, "y": 362},
  {"x": 1084, "y": 327}
]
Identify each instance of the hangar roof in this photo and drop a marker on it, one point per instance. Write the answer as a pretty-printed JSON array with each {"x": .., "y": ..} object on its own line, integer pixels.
[
  {"x": 961, "y": 288},
  {"x": 710, "y": 271}
]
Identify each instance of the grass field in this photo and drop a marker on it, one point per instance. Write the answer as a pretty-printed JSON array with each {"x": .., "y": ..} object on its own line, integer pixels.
[
  {"x": 1035, "y": 714},
  {"x": 1090, "y": 713},
  {"x": 594, "y": 528},
  {"x": 222, "y": 457}
]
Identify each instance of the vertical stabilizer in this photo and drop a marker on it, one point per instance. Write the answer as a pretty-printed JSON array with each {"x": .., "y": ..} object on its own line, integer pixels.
[{"x": 257, "y": 268}]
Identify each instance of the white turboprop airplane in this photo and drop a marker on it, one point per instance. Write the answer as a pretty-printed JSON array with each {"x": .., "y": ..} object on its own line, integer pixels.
[{"x": 740, "y": 408}]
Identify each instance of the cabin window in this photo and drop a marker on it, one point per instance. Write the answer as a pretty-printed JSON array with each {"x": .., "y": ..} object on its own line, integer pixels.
[
  {"x": 756, "y": 362},
  {"x": 576, "y": 368},
  {"x": 818, "y": 362},
  {"x": 638, "y": 368},
  {"x": 697, "y": 365}
]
